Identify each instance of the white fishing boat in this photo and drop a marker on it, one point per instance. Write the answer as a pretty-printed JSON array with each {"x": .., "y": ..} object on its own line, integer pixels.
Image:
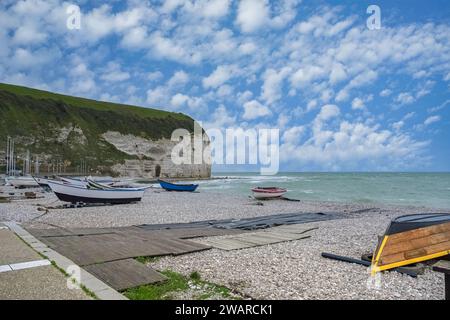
[
  {"x": 22, "y": 182},
  {"x": 127, "y": 183},
  {"x": 74, "y": 194},
  {"x": 92, "y": 184},
  {"x": 74, "y": 182},
  {"x": 43, "y": 183},
  {"x": 83, "y": 181}
]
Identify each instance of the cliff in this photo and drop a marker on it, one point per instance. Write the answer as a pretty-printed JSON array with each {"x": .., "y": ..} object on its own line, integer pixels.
[{"x": 74, "y": 135}]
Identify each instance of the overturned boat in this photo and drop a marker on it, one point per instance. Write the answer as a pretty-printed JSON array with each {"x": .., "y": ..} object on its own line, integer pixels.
[
  {"x": 413, "y": 238},
  {"x": 75, "y": 194}
]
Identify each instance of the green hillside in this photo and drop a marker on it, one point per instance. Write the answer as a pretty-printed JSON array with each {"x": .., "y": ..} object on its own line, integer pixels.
[{"x": 35, "y": 118}]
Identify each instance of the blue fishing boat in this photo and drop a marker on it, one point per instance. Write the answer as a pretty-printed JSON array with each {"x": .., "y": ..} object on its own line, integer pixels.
[{"x": 177, "y": 187}]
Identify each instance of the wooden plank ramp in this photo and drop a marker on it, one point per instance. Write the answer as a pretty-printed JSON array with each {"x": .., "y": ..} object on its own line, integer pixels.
[
  {"x": 107, "y": 252},
  {"x": 124, "y": 274},
  {"x": 97, "y": 248},
  {"x": 259, "y": 238}
]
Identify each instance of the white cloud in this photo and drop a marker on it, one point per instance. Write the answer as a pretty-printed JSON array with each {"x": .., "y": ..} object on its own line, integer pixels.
[
  {"x": 162, "y": 47},
  {"x": 27, "y": 59},
  {"x": 113, "y": 73},
  {"x": 29, "y": 34},
  {"x": 179, "y": 100},
  {"x": 420, "y": 74},
  {"x": 135, "y": 38},
  {"x": 398, "y": 125},
  {"x": 157, "y": 97},
  {"x": 218, "y": 77},
  {"x": 155, "y": 76},
  {"x": 358, "y": 104},
  {"x": 252, "y": 14},
  {"x": 325, "y": 24},
  {"x": 179, "y": 78},
  {"x": 247, "y": 48},
  {"x": 439, "y": 107},
  {"x": 311, "y": 105},
  {"x": 409, "y": 115},
  {"x": 170, "y": 5},
  {"x": 307, "y": 74},
  {"x": 447, "y": 77},
  {"x": 215, "y": 8},
  {"x": 338, "y": 73},
  {"x": 385, "y": 93},
  {"x": 271, "y": 89},
  {"x": 327, "y": 112},
  {"x": 424, "y": 89},
  {"x": 98, "y": 22},
  {"x": 83, "y": 86},
  {"x": 283, "y": 120},
  {"x": 364, "y": 78},
  {"x": 431, "y": 120},
  {"x": 405, "y": 98},
  {"x": 225, "y": 91},
  {"x": 243, "y": 97},
  {"x": 220, "y": 119},
  {"x": 284, "y": 11},
  {"x": 356, "y": 146},
  {"x": 253, "y": 109},
  {"x": 101, "y": 22},
  {"x": 293, "y": 135}
]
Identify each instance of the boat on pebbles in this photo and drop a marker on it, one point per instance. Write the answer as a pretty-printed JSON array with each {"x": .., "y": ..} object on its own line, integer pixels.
[
  {"x": 268, "y": 192},
  {"x": 22, "y": 182},
  {"x": 168, "y": 186},
  {"x": 87, "y": 194},
  {"x": 411, "y": 239}
]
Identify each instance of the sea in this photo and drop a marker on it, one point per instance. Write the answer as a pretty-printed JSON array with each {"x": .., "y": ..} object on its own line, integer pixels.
[{"x": 405, "y": 189}]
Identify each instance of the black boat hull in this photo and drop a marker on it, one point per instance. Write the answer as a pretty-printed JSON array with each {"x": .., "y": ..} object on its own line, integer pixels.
[{"x": 75, "y": 199}]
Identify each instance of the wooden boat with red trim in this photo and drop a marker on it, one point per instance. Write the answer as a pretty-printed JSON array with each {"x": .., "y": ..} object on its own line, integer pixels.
[
  {"x": 268, "y": 192},
  {"x": 413, "y": 238}
]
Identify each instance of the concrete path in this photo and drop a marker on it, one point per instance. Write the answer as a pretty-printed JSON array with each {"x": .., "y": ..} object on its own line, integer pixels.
[
  {"x": 16, "y": 237},
  {"x": 26, "y": 275}
]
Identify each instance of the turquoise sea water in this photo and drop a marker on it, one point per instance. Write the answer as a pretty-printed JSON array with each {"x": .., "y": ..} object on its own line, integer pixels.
[{"x": 418, "y": 189}]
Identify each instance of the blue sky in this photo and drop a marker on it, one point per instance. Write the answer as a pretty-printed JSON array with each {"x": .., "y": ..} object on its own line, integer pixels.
[{"x": 344, "y": 97}]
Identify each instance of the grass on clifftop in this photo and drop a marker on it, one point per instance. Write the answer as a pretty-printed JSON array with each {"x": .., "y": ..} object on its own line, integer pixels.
[{"x": 88, "y": 103}]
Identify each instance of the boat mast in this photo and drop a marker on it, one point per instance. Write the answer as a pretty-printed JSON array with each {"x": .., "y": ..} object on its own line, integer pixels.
[
  {"x": 12, "y": 157},
  {"x": 10, "y": 163},
  {"x": 7, "y": 156},
  {"x": 36, "y": 166},
  {"x": 27, "y": 163}
]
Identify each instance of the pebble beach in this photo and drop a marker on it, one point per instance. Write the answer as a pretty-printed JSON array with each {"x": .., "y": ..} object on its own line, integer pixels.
[{"x": 288, "y": 270}]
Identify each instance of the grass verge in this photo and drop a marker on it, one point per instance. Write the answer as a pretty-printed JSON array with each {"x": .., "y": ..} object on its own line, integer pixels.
[
  {"x": 146, "y": 260},
  {"x": 177, "y": 283}
]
